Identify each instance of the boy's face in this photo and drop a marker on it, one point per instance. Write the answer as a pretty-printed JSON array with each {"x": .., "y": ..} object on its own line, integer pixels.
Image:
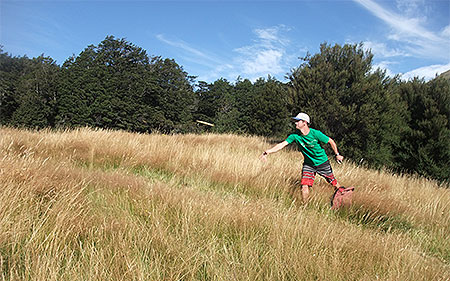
[{"x": 300, "y": 124}]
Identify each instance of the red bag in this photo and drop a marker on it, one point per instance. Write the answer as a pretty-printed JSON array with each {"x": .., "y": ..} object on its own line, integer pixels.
[{"x": 342, "y": 197}]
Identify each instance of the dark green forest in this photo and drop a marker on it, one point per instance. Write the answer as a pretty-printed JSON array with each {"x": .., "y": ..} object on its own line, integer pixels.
[{"x": 376, "y": 120}]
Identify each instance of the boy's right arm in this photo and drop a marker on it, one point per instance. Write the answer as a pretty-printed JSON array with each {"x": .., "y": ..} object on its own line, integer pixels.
[{"x": 274, "y": 149}]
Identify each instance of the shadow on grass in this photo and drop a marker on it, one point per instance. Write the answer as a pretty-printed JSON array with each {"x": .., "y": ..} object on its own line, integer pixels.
[
  {"x": 374, "y": 219},
  {"x": 365, "y": 215}
]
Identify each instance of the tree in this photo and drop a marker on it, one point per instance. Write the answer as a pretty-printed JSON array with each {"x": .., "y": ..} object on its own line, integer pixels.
[
  {"x": 36, "y": 94},
  {"x": 122, "y": 75},
  {"x": 227, "y": 114},
  {"x": 268, "y": 109},
  {"x": 347, "y": 101},
  {"x": 258, "y": 108},
  {"x": 175, "y": 99},
  {"x": 425, "y": 147},
  {"x": 11, "y": 69},
  {"x": 78, "y": 87},
  {"x": 212, "y": 99},
  {"x": 116, "y": 85}
]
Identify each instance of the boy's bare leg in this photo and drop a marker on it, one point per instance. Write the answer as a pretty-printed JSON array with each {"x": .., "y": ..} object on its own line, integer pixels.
[{"x": 305, "y": 193}]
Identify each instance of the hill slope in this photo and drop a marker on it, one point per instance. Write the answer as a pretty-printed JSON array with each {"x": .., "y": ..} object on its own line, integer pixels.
[
  {"x": 105, "y": 205},
  {"x": 445, "y": 74}
]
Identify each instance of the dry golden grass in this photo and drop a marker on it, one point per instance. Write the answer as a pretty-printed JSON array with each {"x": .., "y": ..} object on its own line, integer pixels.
[{"x": 109, "y": 205}]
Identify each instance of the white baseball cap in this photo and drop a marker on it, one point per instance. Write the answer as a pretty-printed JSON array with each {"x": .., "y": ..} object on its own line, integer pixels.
[{"x": 302, "y": 116}]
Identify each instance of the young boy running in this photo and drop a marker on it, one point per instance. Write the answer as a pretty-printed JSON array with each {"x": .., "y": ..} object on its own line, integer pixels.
[{"x": 315, "y": 158}]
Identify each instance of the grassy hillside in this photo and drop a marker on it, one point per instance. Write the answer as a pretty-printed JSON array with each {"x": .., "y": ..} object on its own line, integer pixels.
[{"x": 106, "y": 205}]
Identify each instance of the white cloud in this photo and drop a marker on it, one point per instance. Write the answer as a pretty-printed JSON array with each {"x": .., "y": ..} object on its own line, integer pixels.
[
  {"x": 427, "y": 72},
  {"x": 190, "y": 50},
  {"x": 382, "y": 50},
  {"x": 384, "y": 65},
  {"x": 402, "y": 26},
  {"x": 410, "y": 7},
  {"x": 409, "y": 30},
  {"x": 266, "y": 56},
  {"x": 446, "y": 32},
  {"x": 264, "y": 61},
  {"x": 271, "y": 35},
  {"x": 216, "y": 67},
  {"x": 268, "y": 52}
]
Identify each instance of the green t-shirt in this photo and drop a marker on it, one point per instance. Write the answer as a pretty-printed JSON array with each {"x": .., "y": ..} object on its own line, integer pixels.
[{"x": 309, "y": 145}]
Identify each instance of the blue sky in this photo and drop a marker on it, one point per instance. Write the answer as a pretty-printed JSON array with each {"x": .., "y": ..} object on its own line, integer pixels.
[{"x": 247, "y": 38}]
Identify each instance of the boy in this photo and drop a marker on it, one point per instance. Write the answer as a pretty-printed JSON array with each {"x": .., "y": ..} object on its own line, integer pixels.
[{"x": 315, "y": 158}]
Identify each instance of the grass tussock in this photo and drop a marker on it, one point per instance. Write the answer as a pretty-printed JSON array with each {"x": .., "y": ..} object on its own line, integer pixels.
[{"x": 107, "y": 205}]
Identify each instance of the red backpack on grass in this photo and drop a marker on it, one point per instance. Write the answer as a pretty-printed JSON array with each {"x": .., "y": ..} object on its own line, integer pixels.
[{"x": 342, "y": 197}]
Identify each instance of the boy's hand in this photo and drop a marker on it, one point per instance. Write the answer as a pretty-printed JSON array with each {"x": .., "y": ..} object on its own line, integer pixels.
[
  {"x": 339, "y": 158},
  {"x": 263, "y": 157}
]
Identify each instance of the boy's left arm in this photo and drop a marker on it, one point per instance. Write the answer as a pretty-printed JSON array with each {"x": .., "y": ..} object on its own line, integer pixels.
[{"x": 333, "y": 145}]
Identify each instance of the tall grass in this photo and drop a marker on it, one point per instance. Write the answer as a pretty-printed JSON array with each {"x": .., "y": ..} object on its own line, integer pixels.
[{"x": 109, "y": 205}]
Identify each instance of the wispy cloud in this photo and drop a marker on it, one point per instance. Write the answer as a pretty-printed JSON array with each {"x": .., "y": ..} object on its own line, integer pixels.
[
  {"x": 446, "y": 31},
  {"x": 412, "y": 8},
  {"x": 384, "y": 65},
  {"x": 206, "y": 59},
  {"x": 427, "y": 72},
  {"x": 382, "y": 50},
  {"x": 409, "y": 34},
  {"x": 213, "y": 65},
  {"x": 262, "y": 61},
  {"x": 404, "y": 28},
  {"x": 266, "y": 55}
]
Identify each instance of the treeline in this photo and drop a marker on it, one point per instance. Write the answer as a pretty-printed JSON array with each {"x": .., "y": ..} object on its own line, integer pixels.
[{"x": 377, "y": 120}]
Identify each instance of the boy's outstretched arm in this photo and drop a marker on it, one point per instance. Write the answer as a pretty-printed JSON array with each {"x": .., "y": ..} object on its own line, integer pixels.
[{"x": 274, "y": 149}]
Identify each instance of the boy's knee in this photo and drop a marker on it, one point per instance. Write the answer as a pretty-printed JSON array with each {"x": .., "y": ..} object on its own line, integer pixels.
[{"x": 305, "y": 188}]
